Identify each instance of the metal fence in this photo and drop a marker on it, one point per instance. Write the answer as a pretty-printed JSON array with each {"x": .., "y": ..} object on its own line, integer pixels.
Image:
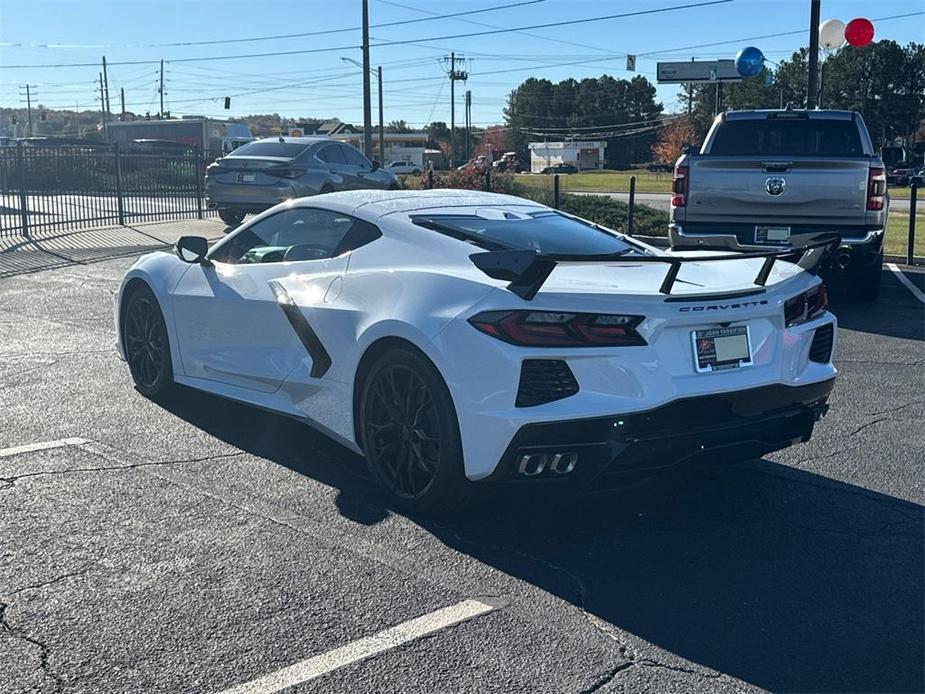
[{"x": 44, "y": 190}]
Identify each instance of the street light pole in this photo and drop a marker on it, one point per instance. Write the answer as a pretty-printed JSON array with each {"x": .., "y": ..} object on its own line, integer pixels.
[{"x": 367, "y": 107}]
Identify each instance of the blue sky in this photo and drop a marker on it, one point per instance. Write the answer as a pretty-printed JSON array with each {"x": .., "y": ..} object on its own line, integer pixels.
[{"x": 321, "y": 84}]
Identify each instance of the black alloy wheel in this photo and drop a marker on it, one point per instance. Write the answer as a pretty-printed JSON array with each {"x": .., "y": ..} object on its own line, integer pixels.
[
  {"x": 230, "y": 217},
  {"x": 410, "y": 434},
  {"x": 146, "y": 345}
]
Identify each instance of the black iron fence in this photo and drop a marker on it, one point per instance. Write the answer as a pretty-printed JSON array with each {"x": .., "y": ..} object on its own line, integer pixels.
[{"x": 64, "y": 188}]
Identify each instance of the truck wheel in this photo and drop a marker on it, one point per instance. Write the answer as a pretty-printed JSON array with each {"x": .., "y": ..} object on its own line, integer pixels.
[
  {"x": 230, "y": 217},
  {"x": 864, "y": 282}
]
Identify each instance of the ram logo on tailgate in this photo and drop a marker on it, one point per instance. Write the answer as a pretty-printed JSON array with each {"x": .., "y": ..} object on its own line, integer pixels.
[{"x": 775, "y": 186}]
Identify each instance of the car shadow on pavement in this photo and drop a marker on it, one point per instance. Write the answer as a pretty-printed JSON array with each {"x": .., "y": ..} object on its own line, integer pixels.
[
  {"x": 774, "y": 575},
  {"x": 896, "y": 313}
]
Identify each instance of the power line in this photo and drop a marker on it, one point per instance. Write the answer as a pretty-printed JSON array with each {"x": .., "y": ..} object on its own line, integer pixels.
[
  {"x": 402, "y": 42},
  {"x": 276, "y": 37}
]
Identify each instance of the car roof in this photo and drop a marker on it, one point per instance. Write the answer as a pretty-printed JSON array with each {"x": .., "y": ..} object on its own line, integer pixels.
[
  {"x": 307, "y": 140},
  {"x": 373, "y": 204}
]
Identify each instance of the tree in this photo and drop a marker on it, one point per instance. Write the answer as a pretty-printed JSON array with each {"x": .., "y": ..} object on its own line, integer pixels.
[
  {"x": 884, "y": 82},
  {"x": 671, "y": 140},
  {"x": 491, "y": 142},
  {"x": 603, "y": 108},
  {"x": 398, "y": 126}
]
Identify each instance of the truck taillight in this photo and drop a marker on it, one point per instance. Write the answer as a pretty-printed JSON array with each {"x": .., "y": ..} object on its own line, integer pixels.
[
  {"x": 679, "y": 186},
  {"x": 876, "y": 188}
]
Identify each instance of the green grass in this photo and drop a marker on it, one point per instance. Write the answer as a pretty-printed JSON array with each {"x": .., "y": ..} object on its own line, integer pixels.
[
  {"x": 897, "y": 235},
  {"x": 602, "y": 181},
  {"x": 901, "y": 192}
]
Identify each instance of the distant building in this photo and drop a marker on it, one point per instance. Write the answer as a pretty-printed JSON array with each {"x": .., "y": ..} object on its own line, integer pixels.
[
  {"x": 584, "y": 156},
  {"x": 408, "y": 147},
  {"x": 329, "y": 128}
]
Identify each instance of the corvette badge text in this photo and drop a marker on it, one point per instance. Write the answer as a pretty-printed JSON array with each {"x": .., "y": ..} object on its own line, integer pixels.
[{"x": 723, "y": 307}]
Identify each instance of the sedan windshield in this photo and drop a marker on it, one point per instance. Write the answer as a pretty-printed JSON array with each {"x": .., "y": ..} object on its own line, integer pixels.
[{"x": 546, "y": 232}]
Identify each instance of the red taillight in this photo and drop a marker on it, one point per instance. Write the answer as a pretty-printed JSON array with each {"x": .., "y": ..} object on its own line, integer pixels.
[
  {"x": 679, "y": 186},
  {"x": 806, "y": 306},
  {"x": 558, "y": 329},
  {"x": 290, "y": 173},
  {"x": 876, "y": 188}
]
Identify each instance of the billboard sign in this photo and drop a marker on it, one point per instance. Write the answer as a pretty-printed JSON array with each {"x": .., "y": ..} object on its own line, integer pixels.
[{"x": 686, "y": 71}]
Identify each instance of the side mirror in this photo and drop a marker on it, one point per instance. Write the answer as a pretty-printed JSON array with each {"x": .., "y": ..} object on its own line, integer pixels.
[
  {"x": 192, "y": 249},
  {"x": 376, "y": 164}
]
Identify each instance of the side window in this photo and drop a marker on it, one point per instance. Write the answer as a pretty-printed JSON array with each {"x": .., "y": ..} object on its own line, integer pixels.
[
  {"x": 332, "y": 154},
  {"x": 354, "y": 158},
  {"x": 298, "y": 234}
]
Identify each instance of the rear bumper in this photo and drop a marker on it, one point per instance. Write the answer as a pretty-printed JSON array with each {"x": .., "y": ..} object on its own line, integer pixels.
[
  {"x": 248, "y": 198},
  {"x": 863, "y": 248},
  {"x": 608, "y": 451}
]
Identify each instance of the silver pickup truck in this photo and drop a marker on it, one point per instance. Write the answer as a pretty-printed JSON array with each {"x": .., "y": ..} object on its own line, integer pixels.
[{"x": 779, "y": 178}]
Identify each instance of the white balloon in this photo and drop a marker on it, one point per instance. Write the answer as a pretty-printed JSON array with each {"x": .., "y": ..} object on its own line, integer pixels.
[{"x": 831, "y": 33}]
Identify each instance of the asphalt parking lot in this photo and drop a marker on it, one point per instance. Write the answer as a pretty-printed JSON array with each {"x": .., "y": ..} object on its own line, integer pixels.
[{"x": 197, "y": 545}]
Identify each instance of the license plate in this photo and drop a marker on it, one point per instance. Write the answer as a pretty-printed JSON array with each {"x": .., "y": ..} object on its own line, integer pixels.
[
  {"x": 247, "y": 178},
  {"x": 717, "y": 349},
  {"x": 769, "y": 234}
]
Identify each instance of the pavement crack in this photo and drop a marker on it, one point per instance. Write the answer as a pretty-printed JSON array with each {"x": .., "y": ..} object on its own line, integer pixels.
[
  {"x": 607, "y": 677},
  {"x": 57, "y": 579},
  {"x": 44, "y": 650},
  {"x": 651, "y": 662},
  {"x": 9, "y": 482},
  {"x": 890, "y": 410}
]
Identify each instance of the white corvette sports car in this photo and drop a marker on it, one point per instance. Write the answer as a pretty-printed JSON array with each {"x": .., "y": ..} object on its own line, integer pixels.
[{"x": 456, "y": 338}]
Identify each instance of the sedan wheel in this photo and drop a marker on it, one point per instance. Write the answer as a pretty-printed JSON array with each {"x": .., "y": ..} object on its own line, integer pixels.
[{"x": 146, "y": 345}]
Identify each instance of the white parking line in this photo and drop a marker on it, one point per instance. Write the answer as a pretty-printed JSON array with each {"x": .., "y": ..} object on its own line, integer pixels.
[
  {"x": 364, "y": 648},
  {"x": 900, "y": 275},
  {"x": 40, "y": 446}
]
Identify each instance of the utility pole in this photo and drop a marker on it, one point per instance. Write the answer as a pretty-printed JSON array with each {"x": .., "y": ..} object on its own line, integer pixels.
[
  {"x": 367, "y": 106},
  {"x": 106, "y": 87},
  {"x": 122, "y": 96},
  {"x": 455, "y": 76},
  {"x": 381, "y": 121},
  {"x": 28, "y": 96},
  {"x": 161, "y": 91},
  {"x": 468, "y": 121},
  {"x": 812, "y": 87},
  {"x": 103, "y": 110}
]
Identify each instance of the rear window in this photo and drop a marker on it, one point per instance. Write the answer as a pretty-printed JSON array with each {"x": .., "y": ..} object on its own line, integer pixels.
[
  {"x": 544, "y": 232},
  {"x": 289, "y": 150},
  {"x": 790, "y": 138}
]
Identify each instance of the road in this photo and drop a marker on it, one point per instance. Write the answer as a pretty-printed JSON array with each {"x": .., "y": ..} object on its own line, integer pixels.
[{"x": 196, "y": 544}]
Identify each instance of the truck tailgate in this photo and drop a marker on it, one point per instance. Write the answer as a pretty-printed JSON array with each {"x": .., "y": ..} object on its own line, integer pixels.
[{"x": 788, "y": 191}]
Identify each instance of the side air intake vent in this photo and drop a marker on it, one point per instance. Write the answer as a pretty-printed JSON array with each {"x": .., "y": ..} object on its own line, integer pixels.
[
  {"x": 544, "y": 380},
  {"x": 821, "y": 349}
]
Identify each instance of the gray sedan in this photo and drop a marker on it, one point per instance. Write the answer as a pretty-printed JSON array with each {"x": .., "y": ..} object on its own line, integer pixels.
[{"x": 266, "y": 172}]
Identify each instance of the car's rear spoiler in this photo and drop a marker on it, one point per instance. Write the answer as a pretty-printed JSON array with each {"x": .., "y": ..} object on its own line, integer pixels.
[{"x": 527, "y": 271}]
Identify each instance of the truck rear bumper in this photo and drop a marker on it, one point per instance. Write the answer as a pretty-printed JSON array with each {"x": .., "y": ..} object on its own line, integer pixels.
[{"x": 863, "y": 248}]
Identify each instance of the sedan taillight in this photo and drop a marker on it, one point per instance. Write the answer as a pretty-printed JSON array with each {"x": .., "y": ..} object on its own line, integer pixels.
[
  {"x": 680, "y": 186},
  {"x": 806, "y": 306},
  {"x": 559, "y": 329},
  {"x": 876, "y": 188},
  {"x": 290, "y": 173}
]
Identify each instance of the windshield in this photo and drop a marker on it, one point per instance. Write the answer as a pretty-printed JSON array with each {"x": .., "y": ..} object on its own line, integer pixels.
[
  {"x": 290, "y": 150},
  {"x": 546, "y": 232},
  {"x": 797, "y": 137}
]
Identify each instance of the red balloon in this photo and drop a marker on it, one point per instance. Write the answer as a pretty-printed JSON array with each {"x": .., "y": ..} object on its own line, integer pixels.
[{"x": 859, "y": 32}]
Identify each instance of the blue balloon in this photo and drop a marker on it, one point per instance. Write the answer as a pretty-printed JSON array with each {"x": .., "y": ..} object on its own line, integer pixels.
[{"x": 749, "y": 61}]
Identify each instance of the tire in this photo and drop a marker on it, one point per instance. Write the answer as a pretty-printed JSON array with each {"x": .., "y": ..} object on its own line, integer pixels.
[
  {"x": 230, "y": 217},
  {"x": 410, "y": 435},
  {"x": 146, "y": 344},
  {"x": 864, "y": 282}
]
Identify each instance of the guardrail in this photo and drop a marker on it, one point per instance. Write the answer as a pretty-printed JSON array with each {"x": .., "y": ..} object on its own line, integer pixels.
[{"x": 46, "y": 189}]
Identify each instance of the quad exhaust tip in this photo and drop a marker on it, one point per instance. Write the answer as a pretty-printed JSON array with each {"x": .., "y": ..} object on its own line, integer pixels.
[{"x": 535, "y": 464}]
